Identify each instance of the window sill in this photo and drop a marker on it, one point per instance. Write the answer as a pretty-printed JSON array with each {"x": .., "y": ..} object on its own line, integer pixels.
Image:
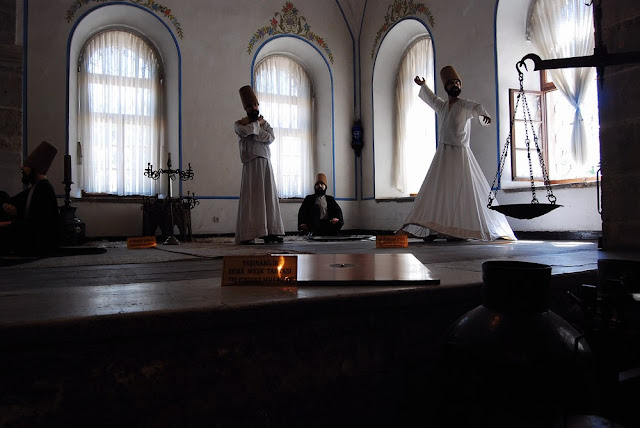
[
  {"x": 402, "y": 199},
  {"x": 110, "y": 199},
  {"x": 557, "y": 186},
  {"x": 140, "y": 199}
]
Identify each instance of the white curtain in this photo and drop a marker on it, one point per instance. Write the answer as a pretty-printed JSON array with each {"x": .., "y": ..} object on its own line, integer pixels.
[
  {"x": 415, "y": 125},
  {"x": 284, "y": 91},
  {"x": 119, "y": 126},
  {"x": 563, "y": 29}
]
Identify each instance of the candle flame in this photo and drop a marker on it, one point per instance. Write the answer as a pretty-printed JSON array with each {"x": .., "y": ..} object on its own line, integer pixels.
[{"x": 280, "y": 266}]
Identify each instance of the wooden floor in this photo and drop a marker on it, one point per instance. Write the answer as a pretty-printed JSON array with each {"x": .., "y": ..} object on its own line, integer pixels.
[
  {"x": 53, "y": 293},
  {"x": 159, "y": 343}
]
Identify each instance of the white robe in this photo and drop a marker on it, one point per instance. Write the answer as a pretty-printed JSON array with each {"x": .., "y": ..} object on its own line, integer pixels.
[
  {"x": 454, "y": 195},
  {"x": 258, "y": 208}
]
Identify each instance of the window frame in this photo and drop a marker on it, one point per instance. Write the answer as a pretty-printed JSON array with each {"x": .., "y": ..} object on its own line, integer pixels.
[
  {"x": 305, "y": 175},
  {"x": 546, "y": 86},
  {"x": 542, "y": 138},
  {"x": 161, "y": 113}
]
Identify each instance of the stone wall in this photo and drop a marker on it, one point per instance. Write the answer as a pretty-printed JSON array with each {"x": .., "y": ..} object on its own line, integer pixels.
[
  {"x": 10, "y": 98},
  {"x": 620, "y": 129}
]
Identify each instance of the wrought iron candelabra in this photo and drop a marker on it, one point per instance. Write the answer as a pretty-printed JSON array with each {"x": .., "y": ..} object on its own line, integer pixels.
[
  {"x": 72, "y": 228},
  {"x": 190, "y": 200},
  {"x": 171, "y": 175}
]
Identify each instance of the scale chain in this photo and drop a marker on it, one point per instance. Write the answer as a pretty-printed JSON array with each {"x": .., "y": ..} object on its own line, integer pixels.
[
  {"x": 493, "y": 191},
  {"x": 527, "y": 141},
  {"x": 545, "y": 175},
  {"x": 527, "y": 118}
]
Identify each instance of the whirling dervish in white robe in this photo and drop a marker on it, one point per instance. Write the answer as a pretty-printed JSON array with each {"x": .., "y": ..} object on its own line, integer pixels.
[
  {"x": 454, "y": 195},
  {"x": 258, "y": 208}
]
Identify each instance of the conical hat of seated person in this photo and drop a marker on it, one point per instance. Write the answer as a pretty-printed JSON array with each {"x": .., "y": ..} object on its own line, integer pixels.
[
  {"x": 247, "y": 96},
  {"x": 41, "y": 157},
  {"x": 321, "y": 178},
  {"x": 449, "y": 73}
]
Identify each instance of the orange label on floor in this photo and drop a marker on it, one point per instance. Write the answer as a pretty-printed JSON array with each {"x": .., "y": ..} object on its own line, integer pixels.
[
  {"x": 392, "y": 241},
  {"x": 141, "y": 242},
  {"x": 259, "y": 270}
]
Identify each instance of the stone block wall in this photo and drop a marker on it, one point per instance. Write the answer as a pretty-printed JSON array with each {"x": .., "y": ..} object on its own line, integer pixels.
[
  {"x": 620, "y": 129},
  {"x": 10, "y": 98}
]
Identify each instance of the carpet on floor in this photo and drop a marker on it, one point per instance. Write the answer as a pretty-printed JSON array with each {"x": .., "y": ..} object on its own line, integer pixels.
[
  {"x": 97, "y": 253},
  {"x": 13, "y": 260}
]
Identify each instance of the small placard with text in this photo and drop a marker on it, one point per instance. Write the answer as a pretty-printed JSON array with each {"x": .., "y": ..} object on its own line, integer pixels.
[
  {"x": 392, "y": 241},
  {"x": 259, "y": 270}
]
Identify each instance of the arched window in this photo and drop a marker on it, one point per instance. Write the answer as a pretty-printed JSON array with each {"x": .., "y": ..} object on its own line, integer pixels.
[
  {"x": 284, "y": 91},
  {"x": 415, "y": 126},
  {"x": 120, "y": 124},
  {"x": 568, "y": 100}
]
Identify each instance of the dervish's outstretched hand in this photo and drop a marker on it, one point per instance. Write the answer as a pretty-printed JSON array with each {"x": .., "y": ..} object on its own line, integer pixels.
[
  {"x": 419, "y": 81},
  {"x": 486, "y": 120}
]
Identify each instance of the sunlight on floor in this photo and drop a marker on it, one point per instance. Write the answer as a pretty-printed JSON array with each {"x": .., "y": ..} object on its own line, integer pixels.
[{"x": 569, "y": 244}]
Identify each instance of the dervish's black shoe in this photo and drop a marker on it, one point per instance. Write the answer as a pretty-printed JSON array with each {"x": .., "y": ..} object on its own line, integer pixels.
[
  {"x": 272, "y": 239},
  {"x": 430, "y": 238}
]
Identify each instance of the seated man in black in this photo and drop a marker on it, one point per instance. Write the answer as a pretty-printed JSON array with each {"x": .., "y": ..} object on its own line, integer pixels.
[
  {"x": 320, "y": 214},
  {"x": 29, "y": 222}
]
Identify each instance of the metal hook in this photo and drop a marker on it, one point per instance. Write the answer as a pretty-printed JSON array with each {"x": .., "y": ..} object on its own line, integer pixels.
[{"x": 533, "y": 57}]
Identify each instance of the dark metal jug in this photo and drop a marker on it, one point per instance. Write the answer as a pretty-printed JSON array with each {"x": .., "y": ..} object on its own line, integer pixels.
[{"x": 511, "y": 360}]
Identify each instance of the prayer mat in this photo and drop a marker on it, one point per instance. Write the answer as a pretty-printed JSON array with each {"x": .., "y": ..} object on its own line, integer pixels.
[
  {"x": 338, "y": 238},
  {"x": 116, "y": 252}
]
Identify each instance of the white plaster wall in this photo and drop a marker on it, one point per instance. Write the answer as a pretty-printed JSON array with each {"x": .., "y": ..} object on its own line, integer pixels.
[
  {"x": 389, "y": 57},
  {"x": 463, "y": 36},
  {"x": 214, "y": 64},
  {"x": 579, "y": 204},
  {"x": 457, "y": 23},
  {"x": 579, "y": 210}
]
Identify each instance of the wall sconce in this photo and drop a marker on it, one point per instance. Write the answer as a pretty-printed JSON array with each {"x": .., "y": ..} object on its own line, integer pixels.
[{"x": 356, "y": 138}]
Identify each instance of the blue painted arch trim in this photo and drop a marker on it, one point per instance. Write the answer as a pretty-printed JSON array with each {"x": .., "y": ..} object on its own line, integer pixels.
[
  {"x": 175, "y": 41},
  {"x": 373, "y": 112}
]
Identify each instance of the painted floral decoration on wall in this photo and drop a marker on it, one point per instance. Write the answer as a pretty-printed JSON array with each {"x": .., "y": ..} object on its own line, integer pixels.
[
  {"x": 398, "y": 10},
  {"x": 149, "y": 4},
  {"x": 289, "y": 22}
]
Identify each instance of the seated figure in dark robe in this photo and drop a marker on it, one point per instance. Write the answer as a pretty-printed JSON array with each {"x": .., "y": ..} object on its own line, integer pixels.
[
  {"x": 29, "y": 221},
  {"x": 319, "y": 213}
]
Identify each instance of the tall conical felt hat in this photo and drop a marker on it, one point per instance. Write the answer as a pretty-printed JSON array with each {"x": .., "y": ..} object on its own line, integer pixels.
[
  {"x": 247, "y": 96},
  {"x": 449, "y": 73},
  {"x": 321, "y": 178},
  {"x": 41, "y": 157}
]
